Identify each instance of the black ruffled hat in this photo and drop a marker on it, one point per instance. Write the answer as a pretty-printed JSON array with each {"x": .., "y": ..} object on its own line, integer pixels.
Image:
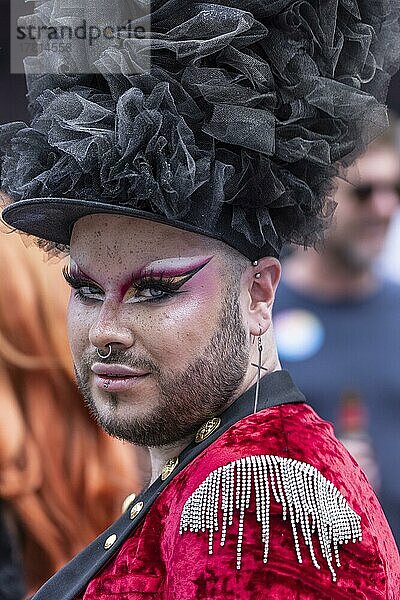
[{"x": 248, "y": 110}]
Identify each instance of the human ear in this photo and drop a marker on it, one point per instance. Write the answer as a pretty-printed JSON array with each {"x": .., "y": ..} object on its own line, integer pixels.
[{"x": 262, "y": 280}]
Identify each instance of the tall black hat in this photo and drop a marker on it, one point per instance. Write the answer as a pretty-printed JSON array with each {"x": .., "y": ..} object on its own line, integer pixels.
[{"x": 235, "y": 130}]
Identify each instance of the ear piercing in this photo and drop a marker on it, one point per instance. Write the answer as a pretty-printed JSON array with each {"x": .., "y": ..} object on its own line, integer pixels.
[{"x": 255, "y": 264}]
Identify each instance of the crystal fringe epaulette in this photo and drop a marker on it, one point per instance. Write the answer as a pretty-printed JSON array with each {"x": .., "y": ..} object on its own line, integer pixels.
[{"x": 311, "y": 503}]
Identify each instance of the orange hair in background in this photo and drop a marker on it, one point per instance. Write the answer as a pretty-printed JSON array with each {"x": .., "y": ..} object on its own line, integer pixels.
[{"x": 61, "y": 478}]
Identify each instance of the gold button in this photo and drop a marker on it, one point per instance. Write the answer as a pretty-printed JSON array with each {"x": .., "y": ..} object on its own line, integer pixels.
[
  {"x": 207, "y": 429},
  {"x": 110, "y": 541},
  {"x": 127, "y": 502},
  {"x": 168, "y": 468},
  {"x": 135, "y": 510}
]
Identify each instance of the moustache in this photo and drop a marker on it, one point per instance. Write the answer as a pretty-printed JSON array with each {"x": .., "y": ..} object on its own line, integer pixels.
[{"x": 120, "y": 357}]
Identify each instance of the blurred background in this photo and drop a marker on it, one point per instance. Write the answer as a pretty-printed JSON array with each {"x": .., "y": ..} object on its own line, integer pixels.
[
  {"x": 337, "y": 318},
  {"x": 337, "y": 323}
]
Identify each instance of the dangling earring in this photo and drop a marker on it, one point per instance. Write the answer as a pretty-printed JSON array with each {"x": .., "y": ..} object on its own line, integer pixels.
[{"x": 259, "y": 368}]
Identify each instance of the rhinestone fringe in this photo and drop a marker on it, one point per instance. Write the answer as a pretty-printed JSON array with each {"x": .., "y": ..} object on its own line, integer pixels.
[{"x": 309, "y": 501}]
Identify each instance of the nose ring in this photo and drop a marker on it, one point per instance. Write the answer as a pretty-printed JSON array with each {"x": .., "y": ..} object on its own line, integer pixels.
[{"x": 100, "y": 355}]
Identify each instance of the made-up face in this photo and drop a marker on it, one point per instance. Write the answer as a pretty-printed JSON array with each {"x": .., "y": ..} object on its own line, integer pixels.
[
  {"x": 159, "y": 296},
  {"x": 367, "y": 202}
]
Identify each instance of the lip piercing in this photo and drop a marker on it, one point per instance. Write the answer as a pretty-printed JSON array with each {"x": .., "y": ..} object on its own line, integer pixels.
[{"x": 100, "y": 355}]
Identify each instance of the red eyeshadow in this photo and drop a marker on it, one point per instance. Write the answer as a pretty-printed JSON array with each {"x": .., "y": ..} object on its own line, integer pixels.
[{"x": 169, "y": 271}]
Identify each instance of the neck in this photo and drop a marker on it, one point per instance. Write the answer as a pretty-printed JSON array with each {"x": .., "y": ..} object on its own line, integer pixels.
[
  {"x": 159, "y": 456},
  {"x": 324, "y": 276}
]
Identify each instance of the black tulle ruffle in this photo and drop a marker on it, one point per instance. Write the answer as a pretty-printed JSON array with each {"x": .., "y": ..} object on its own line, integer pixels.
[{"x": 248, "y": 108}]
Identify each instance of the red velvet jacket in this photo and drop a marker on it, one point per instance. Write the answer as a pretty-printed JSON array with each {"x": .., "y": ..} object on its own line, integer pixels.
[{"x": 159, "y": 562}]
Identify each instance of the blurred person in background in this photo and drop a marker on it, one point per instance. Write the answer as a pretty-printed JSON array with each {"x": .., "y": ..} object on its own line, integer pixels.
[
  {"x": 389, "y": 260},
  {"x": 62, "y": 480},
  {"x": 336, "y": 316},
  {"x": 11, "y": 577}
]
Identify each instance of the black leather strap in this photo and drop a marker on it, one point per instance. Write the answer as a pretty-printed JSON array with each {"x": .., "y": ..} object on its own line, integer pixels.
[{"x": 275, "y": 389}]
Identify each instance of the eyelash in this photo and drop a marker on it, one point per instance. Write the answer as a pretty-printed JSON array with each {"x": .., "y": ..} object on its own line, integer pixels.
[
  {"x": 164, "y": 284},
  {"x": 76, "y": 283},
  {"x": 161, "y": 283}
]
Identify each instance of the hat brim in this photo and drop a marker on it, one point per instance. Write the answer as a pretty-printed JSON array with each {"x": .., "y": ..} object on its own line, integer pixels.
[{"x": 53, "y": 219}]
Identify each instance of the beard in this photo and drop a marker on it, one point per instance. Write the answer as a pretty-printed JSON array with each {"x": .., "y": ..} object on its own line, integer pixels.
[
  {"x": 355, "y": 256},
  {"x": 185, "y": 399},
  {"x": 352, "y": 259}
]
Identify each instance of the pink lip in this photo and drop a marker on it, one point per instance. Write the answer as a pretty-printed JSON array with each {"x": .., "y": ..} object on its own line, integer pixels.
[
  {"x": 117, "y": 378},
  {"x": 117, "y": 371}
]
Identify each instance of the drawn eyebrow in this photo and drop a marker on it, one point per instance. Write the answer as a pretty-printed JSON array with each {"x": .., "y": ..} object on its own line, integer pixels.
[
  {"x": 177, "y": 275},
  {"x": 170, "y": 278}
]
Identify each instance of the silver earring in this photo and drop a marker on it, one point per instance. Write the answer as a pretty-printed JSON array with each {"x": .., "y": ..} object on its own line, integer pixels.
[
  {"x": 100, "y": 355},
  {"x": 255, "y": 264},
  {"x": 259, "y": 368}
]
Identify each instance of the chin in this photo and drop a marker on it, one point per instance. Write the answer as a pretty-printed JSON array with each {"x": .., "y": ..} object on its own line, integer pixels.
[
  {"x": 139, "y": 395},
  {"x": 124, "y": 407},
  {"x": 141, "y": 430},
  {"x": 369, "y": 246},
  {"x": 357, "y": 258},
  {"x": 365, "y": 257}
]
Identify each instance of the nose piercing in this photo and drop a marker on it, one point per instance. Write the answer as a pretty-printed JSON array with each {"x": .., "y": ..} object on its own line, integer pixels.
[{"x": 100, "y": 355}]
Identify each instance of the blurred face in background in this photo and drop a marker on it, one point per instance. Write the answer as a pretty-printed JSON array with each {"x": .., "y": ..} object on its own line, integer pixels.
[{"x": 367, "y": 202}]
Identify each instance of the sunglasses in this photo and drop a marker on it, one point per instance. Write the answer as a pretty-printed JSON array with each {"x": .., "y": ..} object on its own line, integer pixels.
[{"x": 362, "y": 193}]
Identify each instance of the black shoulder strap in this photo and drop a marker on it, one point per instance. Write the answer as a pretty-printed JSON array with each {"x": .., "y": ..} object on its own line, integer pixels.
[{"x": 275, "y": 389}]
